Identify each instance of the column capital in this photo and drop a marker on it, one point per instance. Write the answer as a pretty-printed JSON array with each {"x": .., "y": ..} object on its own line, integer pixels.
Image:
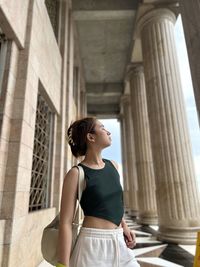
[
  {"x": 134, "y": 68},
  {"x": 155, "y": 15},
  {"x": 125, "y": 99},
  {"x": 120, "y": 117}
]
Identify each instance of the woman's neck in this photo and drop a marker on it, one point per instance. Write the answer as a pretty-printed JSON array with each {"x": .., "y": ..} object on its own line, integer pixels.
[{"x": 92, "y": 158}]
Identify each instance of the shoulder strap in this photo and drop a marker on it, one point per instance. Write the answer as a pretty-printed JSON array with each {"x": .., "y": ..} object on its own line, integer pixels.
[
  {"x": 80, "y": 182},
  {"x": 77, "y": 216}
]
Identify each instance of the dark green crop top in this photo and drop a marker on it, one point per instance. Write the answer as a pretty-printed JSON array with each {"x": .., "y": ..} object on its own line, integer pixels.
[{"x": 103, "y": 196}]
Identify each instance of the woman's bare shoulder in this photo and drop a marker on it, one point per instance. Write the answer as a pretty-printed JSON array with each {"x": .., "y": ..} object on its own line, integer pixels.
[
  {"x": 73, "y": 170},
  {"x": 72, "y": 174}
]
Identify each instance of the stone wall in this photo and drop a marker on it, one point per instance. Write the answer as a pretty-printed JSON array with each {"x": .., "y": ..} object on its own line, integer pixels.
[
  {"x": 36, "y": 62},
  {"x": 13, "y": 19}
]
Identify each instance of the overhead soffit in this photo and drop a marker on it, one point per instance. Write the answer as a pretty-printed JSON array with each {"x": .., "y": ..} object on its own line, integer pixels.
[
  {"x": 104, "y": 5},
  {"x": 105, "y": 30}
]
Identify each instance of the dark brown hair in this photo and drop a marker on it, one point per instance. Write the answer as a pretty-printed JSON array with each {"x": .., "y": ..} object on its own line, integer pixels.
[{"x": 77, "y": 135}]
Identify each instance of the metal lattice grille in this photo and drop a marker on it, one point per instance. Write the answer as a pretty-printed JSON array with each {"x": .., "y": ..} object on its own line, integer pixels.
[{"x": 39, "y": 191}]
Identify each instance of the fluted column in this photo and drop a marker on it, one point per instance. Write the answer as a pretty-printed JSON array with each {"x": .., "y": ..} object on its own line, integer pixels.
[
  {"x": 190, "y": 11},
  {"x": 83, "y": 104},
  {"x": 130, "y": 155},
  {"x": 144, "y": 162},
  {"x": 124, "y": 164},
  {"x": 177, "y": 194}
]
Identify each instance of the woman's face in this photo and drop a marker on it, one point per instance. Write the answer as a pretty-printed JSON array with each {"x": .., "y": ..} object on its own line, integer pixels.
[{"x": 102, "y": 136}]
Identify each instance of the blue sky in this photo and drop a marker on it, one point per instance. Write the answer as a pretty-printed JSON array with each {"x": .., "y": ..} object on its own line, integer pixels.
[{"x": 114, "y": 151}]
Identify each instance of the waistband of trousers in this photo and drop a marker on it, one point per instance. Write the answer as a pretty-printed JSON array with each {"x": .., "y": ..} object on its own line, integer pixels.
[{"x": 96, "y": 232}]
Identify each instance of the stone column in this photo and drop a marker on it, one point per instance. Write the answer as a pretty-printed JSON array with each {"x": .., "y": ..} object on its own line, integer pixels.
[
  {"x": 144, "y": 162},
  {"x": 190, "y": 11},
  {"x": 130, "y": 155},
  {"x": 61, "y": 120},
  {"x": 83, "y": 97},
  {"x": 124, "y": 164},
  {"x": 177, "y": 194},
  {"x": 70, "y": 71}
]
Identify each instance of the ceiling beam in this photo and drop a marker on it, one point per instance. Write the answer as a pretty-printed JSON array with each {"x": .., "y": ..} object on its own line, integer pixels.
[
  {"x": 96, "y": 88},
  {"x": 103, "y": 15},
  {"x": 105, "y": 4}
]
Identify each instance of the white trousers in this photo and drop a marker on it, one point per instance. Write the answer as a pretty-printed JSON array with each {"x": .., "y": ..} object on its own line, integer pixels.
[{"x": 102, "y": 248}]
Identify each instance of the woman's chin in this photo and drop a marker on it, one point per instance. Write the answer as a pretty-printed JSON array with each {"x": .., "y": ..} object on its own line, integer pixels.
[{"x": 109, "y": 144}]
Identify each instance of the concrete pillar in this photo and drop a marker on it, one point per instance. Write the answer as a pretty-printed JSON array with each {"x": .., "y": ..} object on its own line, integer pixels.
[
  {"x": 61, "y": 120},
  {"x": 144, "y": 162},
  {"x": 124, "y": 164},
  {"x": 83, "y": 98},
  {"x": 190, "y": 11},
  {"x": 70, "y": 110},
  {"x": 130, "y": 155},
  {"x": 177, "y": 194}
]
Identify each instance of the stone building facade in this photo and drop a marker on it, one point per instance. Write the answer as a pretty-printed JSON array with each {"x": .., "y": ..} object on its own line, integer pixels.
[
  {"x": 48, "y": 79},
  {"x": 42, "y": 91}
]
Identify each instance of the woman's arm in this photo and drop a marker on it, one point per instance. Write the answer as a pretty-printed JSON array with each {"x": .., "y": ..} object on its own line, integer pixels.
[
  {"x": 126, "y": 230},
  {"x": 68, "y": 205},
  {"x": 129, "y": 236},
  {"x": 123, "y": 222}
]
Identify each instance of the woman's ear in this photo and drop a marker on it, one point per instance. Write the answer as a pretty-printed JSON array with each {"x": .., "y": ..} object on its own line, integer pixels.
[{"x": 90, "y": 137}]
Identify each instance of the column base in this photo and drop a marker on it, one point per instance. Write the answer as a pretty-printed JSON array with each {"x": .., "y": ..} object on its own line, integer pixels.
[
  {"x": 134, "y": 213},
  {"x": 148, "y": 220},
  {"x": 127, "y": 210},
  {"x": 178, "y": 235}
]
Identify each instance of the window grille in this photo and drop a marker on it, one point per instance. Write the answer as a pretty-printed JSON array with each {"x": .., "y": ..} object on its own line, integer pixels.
[{"x": 41, "y": 163}]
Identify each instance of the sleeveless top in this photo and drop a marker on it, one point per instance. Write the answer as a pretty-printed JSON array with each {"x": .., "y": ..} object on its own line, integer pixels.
[{"x": 103, "y": 195}]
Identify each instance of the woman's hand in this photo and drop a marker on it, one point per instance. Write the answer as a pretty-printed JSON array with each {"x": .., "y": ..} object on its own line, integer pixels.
[{"x": 129, "y": 237}]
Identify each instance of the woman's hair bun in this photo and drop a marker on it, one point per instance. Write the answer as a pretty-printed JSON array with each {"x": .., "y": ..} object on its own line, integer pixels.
[{"x": 77, "y": 135}]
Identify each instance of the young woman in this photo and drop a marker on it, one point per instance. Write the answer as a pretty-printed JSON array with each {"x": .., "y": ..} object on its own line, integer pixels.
[{"x": 104, "y": 240}]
